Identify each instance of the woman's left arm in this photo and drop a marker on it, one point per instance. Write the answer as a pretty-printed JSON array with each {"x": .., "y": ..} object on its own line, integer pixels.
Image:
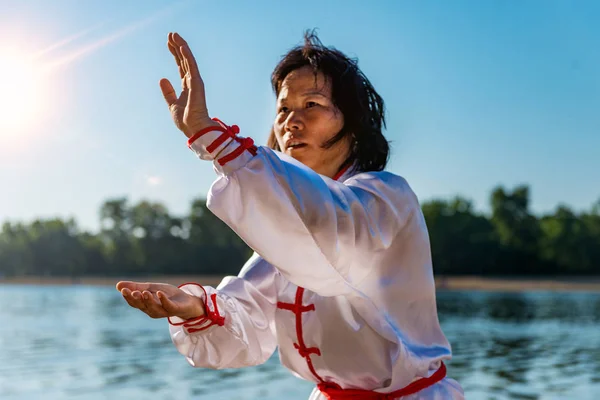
[{"x": 315, "y": 230}]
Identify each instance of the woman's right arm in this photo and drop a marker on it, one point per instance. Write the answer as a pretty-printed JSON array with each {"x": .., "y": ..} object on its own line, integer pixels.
[{"x": 239, "y": 328}]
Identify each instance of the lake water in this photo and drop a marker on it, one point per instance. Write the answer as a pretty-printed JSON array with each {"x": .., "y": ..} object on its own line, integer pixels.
[{"x": 85, "y": 342}]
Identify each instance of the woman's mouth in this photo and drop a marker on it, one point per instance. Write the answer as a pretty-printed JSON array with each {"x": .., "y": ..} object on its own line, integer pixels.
[{"x": 294, "y": 145}]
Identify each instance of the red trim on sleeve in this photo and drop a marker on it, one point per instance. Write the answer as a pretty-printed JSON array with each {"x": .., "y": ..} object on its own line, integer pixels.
[
  {"x": 185, "y": 321},
  {"x": 245, "y": 144},
  {"x": 213, "y": 316},
  {"x": 228, "y": 132},
  {"x": 218, "y": 141},
  {"x": 203, "y": 132}
]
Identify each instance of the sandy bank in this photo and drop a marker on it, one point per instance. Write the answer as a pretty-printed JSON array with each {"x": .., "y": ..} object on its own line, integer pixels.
[{"x": 442, "y": 283}]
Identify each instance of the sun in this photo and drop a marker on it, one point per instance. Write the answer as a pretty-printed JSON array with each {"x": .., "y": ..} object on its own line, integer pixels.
[{"x": 20, "y": 90}]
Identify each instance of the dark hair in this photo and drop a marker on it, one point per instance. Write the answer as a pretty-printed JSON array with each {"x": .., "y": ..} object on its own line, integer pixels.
[{"x": 352, "y": 93}]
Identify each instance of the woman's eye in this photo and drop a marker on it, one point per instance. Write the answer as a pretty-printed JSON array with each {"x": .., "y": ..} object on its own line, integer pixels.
[
  {"x": 283, "y": 109},
  {"x": 311, "y": 104}
]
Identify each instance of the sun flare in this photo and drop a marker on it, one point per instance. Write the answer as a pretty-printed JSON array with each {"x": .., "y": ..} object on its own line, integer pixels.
[{"x": 20, "y": 92}]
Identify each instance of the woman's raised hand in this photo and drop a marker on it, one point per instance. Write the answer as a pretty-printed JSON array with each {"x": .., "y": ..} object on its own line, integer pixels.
[
  {"x": 189, "y": 110},
  {"x": 160, "y": 300}
]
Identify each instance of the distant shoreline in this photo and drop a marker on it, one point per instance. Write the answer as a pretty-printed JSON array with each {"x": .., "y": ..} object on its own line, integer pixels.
[{"x": 503, "y": 284}]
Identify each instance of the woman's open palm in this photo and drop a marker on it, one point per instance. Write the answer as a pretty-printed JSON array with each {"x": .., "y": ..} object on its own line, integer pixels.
[{"x": 160, "y": 300}]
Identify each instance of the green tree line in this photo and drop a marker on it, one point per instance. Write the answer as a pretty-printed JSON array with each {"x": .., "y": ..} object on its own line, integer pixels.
[{"x": 145, "y": 239}]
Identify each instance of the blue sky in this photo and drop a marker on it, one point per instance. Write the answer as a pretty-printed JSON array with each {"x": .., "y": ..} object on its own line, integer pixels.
[{"x": 478, "y": 93}]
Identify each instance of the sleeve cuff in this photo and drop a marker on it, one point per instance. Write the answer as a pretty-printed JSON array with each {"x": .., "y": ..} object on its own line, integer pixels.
[
  {"x": 235, "y": 156},
  {"x": 212, "y": 317},
  {"x": 222, "y": 145}
]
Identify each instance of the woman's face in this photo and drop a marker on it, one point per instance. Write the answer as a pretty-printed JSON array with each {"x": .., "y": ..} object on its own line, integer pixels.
[{"x": 307, "y": 119}]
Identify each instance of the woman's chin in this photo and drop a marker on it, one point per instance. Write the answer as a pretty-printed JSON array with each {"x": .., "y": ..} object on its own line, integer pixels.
[
  {"x": 300, "y": 157},
  {"x": 298, "y": 154}
]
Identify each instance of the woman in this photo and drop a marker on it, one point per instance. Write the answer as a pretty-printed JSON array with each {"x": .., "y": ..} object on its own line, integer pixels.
[{"x": 341, "y": 279}]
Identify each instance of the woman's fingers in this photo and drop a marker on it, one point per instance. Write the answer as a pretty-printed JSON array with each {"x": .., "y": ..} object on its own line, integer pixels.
[
  {"x": 132, "y": 286},
  {"x": 152, "y": 305},
  {"x": 168, "y": 91},
  {"x": 186, "y": 66},
  {"x": 167, "y": 303},
  {"x": 174, "y": 45},
  {"x": 196, "y": 85},
  {"x": 133, "y": 298},
  {"x": 141, "y": 286},
  {"x": 145, "y": 301},
  {"x": 178, "y": 40},
  {"x": 174, "y": 49},
  {"x": 190, "y": 61},
  {"x": 127, "y": 296},
  {"x": 178, "y": 59},
  {"x": 185, "y": 54}
]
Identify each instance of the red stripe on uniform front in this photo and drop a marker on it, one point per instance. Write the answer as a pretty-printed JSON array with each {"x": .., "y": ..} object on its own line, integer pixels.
[{"x": 297, "y": 308}]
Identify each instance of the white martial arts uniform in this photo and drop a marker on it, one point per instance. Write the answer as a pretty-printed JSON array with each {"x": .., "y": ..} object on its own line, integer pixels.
[{"x": 341, "y": 280}]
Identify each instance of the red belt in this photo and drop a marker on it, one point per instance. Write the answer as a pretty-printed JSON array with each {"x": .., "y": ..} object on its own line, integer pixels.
[{"x": 334, "y": 392}]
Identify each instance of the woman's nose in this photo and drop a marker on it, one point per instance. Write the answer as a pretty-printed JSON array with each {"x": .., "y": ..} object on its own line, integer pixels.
[{"x": 294, "y": 121}]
